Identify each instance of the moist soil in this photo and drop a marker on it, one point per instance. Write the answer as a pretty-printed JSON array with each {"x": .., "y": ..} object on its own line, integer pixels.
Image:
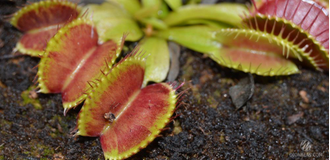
[{"x": 283, "y": 114}]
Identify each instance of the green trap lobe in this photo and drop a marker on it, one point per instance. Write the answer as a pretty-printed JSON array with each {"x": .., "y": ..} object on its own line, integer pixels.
[
  {"x": 266, "y": 64},
  {"x": 254, "y": 52}
]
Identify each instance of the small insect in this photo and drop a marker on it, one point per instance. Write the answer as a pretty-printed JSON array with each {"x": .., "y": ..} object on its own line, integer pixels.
[{"x": 110, "y": 117}]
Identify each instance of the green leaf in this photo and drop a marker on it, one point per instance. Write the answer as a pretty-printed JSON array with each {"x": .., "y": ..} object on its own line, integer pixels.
[
  {"x": 225, "y": 12},
  {"x": 151, "y": 3},
  {"x": 207, "y": 22},
  {"x": 112, "y": 21},
  {"x": 105, "y": 10},
  {"x": 158, "y": 59},
  {"x": 193, "y": 2},
  {"x": 198, "y": 38},
  {"x": 150, "y": 9},
  {"x": 156, "y": 23},
  {"x": 164, "y": 10},
  {"x": 115, "y": 28},
  {"x": 174, "y": 4},
  {"x": 131, "y": 6}
]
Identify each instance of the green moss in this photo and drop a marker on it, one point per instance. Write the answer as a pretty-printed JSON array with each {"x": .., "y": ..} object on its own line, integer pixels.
[
  {"x": 212, "y": 102},
  {"x": 49, "y": 102},
  {"x": 5, "y": 126},
  {"x": 177, "y": 127},
  {"x": 2, "y": 147},
  {"x": 27, "y": 152},
  {"x": 222, "y": 137},
  {"x": 5, "y": 122},
  {"x": 217, "y": 93},
  {"x": 63, "y": 124},
  {"x": 39, "y": 150},
  {"x": 2, "y": 157},
  {"x": 27, "y": 100},
  {"x": 48, "y": 151},
  {"x": 53, "y": 135}
]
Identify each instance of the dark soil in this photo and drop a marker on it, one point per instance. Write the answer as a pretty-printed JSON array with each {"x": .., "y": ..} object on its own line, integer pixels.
[{"x": 283, "y": 113}]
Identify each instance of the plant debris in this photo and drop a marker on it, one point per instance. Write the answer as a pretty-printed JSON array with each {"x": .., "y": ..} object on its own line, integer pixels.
[
  {"x": 242, "y": 92},
  {"x": 175, "y": 50},
  {"x": 293, "y": 118}
]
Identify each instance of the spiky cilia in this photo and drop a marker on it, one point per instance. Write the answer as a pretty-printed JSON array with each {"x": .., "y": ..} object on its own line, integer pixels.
[
  {"x": 303, "y": 24},
  {"x": 254, "y": 52}
]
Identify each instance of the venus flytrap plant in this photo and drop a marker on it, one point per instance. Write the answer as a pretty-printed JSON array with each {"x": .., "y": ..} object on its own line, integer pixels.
[
  {"x": 78, "y": 55},
  {"x": 156, "y": 20},
  {"x": 77, "y": 66}
]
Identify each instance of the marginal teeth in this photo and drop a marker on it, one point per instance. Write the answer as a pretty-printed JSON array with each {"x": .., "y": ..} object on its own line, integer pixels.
[{"x": 65, "y": 111}]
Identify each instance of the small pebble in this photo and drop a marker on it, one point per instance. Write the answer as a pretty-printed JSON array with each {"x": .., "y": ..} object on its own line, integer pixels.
[
  {"x": 321, "y": 89},
  {"x": 58, "y": 156},
  {"x": 303, "y": 105},
  {"x": 303, "y": 95}
]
